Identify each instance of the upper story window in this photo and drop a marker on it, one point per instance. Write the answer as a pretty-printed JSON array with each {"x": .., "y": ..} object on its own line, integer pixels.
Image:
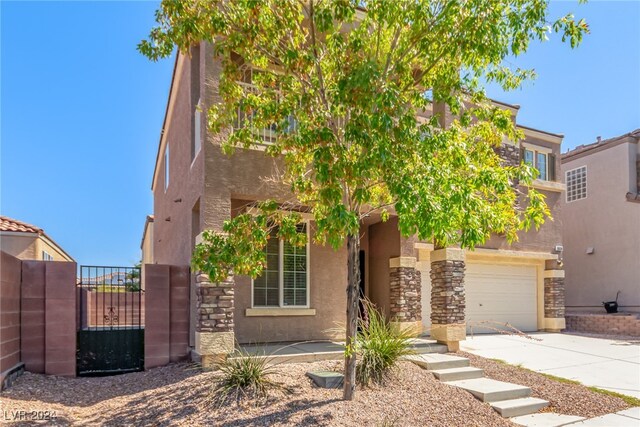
[
  {"x": 46, "y": 256},
  {"x": 576, "y": 180},
  {"x": 542, "y": 159},
  {"x": 197, "y": 130},
  {"x": 285, "y": 280},
  {"x": 166, "y": 167},
  {"x": 541, "y": 165},
  {"x": 195, "y": 101}
]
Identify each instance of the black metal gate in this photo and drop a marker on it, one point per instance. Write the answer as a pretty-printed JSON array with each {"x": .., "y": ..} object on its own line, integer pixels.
[{"x": 110, "y": 321}]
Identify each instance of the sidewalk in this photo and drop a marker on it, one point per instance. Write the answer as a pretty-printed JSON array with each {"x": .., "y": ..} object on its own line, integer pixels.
[{"x": 627, "y": 418}]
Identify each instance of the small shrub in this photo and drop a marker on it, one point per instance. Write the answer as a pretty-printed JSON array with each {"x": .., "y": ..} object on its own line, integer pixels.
[
  {"x": 388, "y": 422},
  {"x": 244, "y": 376},
  {"x": 379, "y": 346}
]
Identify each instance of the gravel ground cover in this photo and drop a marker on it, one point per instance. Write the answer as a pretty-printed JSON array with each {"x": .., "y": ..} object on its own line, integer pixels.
[
  {"x": 564, "y": 398},
  {"x": 180, "y": 395}
]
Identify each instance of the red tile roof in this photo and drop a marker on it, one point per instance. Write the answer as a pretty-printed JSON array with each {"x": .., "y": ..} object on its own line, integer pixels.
[{"x": 10, "y": 224}]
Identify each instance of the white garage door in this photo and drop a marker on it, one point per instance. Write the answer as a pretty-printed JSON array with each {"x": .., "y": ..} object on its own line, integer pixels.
[{"x": 498, "y": 294}]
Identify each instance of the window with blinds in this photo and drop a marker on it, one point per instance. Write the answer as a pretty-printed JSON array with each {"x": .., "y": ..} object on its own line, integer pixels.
[{"x": 285, "y": 280}]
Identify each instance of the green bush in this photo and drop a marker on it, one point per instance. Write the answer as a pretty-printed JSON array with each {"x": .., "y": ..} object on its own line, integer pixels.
[
  {"x": 244, "y": 376},
  {"x": 379, "y": 346}
]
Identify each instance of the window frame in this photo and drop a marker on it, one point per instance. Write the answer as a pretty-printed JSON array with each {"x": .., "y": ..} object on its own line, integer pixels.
[
  {"x": 586, "y": 186},
  {"x": 536, "y": 151},
  {"x": 281, "y": 305},
  {"x": 166, "y": 167},
  {"x": 46, "y": 256},
  {"x": 197, "y": 131},
  {"x": 542, "y": 175}
]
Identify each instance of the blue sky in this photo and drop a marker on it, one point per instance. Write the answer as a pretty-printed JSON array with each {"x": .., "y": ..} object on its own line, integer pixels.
[{"x": 81, "y": 111}]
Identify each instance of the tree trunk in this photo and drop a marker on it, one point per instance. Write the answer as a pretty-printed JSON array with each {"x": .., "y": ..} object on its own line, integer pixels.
[{"x": 353, "y": 297}]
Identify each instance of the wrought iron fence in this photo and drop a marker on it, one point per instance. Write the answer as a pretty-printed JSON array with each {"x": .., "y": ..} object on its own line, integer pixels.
[{"x": 110, "y": 320}]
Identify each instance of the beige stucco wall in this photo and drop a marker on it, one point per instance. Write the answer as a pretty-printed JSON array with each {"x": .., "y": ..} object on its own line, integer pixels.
[
  {"x": 328, "y": 280},
  {"x": 30, "y": 246},
  {"x": 550, "y": 233},
  {"x": 173, "y": 233},
  {"x": 147, "y": 244},
  {"x": 20, "y": 245},
  {"x": 610, "y": 224},
  {"x": 43, "y": 244},
  {"x": 384, "y": 243}
]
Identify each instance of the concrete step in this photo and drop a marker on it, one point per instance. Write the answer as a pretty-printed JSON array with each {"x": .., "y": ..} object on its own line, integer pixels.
[
  {"x": 435, "y": 361},
  {"x": 424, "y": 346},
  {"x": 489, "y": 390},
  {"x": 456, "y": 374},
  {"x": 518, "y": 407}
]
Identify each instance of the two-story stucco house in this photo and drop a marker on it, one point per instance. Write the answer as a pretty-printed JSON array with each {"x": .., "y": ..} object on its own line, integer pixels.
[
  {"x": 197, "y": 187},
  {"x": 26, "y": 241},
  {"x": 601, "y": 217}
]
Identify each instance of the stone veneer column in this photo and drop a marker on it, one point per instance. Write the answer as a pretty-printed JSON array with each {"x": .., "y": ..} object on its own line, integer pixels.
[
  {"x": 554, "y": 320},
  {"x": 214, "y": 338},
  {"x": 405, "y": 293},
  {"x": 448, "y": 297}
]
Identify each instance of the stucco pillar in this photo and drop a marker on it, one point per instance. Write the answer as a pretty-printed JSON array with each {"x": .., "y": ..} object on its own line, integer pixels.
[
  {"x": 554, "y": 320},
  {"x": 448, "y": 297},
  {"x": 214, "y": 338},
  {"x": 405, "y": 294}
]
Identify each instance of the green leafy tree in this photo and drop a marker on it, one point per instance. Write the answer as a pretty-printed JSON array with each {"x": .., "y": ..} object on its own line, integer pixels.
[{"x": 343, "y": 83}]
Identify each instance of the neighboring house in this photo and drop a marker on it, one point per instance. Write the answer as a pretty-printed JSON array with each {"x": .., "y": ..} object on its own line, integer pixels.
[
  {"x": 301, "y": 296},
  {"x": 28, "y": 242},
  {"x": 601, "y": 217},
  {"x": 146, "y": 245}
]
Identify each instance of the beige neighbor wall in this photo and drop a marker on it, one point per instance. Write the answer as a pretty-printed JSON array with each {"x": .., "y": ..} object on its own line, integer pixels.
[
  {"x": 29, "y": 246},
  {"x": 19, "y": 245},
  {"x": 147, "y": 244},
  {"x": 43, "y": 244},
  {"x": 610, "y": 224}
]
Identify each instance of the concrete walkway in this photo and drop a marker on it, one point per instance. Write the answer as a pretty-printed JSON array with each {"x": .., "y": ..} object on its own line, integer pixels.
[
  {"x": 312, "y": 351},
  {"x": 627, "y": 418},
  {"x": 608, "y": 364}
]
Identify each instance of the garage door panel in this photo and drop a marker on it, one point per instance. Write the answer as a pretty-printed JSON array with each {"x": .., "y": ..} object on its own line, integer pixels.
[{"x": 499, "y": 294}]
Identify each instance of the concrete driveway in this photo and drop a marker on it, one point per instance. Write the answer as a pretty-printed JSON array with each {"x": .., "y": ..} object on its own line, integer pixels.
[{"x": 609, "y": 364}]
